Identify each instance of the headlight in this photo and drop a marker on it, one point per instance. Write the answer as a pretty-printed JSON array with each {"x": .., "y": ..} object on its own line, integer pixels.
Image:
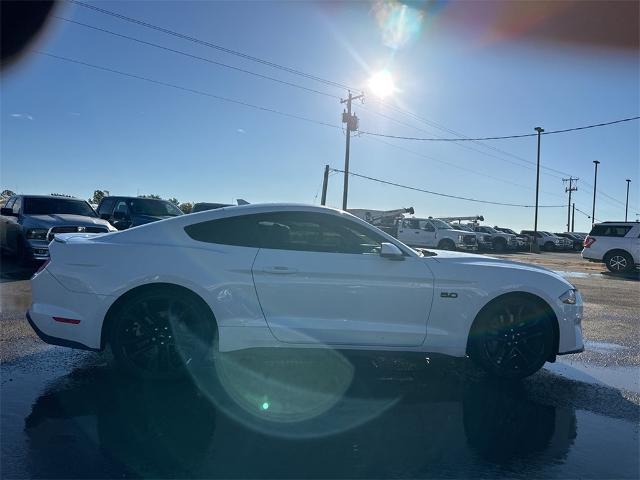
[
  {"x": 37, "y": 234},
  {"x": 569, "y": 297}
]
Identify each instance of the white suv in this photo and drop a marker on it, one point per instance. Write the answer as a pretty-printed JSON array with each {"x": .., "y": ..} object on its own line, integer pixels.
[{"x": 617, "y": 244}]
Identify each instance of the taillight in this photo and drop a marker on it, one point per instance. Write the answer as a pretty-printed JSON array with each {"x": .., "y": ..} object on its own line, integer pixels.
[
  {"x": 43, "y": 266},
  {"x": 589, "y": 241}
]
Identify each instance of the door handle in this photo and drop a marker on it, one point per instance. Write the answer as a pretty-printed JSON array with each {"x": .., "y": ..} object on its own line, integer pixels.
[{"x": 279, "y": 270}]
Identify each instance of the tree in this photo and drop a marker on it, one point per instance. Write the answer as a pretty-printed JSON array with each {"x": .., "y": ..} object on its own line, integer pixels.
[
  {"x": 157, "y": 197},
  {"x": 97, "y": 196},
  {"x": 175, "y": 201},
  {"x": 7, "y": 193},
  {"x": 186, "y": 207}
]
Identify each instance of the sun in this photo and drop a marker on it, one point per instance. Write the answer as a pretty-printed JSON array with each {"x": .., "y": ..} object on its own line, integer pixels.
[{"x": 381, "y": 84}]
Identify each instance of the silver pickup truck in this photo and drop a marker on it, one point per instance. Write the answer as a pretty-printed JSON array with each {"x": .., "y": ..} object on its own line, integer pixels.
[{"x": 29, "y": 222}]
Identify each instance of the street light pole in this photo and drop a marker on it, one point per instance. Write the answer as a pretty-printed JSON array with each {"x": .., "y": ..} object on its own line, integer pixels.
[
  {"x": 626, "y": 207},
  {"x": 595, "y": 184},
  {"x": 535, "y": 222}
]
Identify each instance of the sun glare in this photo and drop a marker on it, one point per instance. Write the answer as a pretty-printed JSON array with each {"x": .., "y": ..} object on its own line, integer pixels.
[{"x": 381, "y": 84}]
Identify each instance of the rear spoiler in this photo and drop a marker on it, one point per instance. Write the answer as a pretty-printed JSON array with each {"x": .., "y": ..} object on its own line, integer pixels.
[{"x": 67, "y": 237}]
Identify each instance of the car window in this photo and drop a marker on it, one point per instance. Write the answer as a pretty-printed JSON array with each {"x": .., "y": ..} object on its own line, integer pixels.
[
  {"x": 155, "y": 208},
  {"x": 315, "y": 232},
  {"x": 300, "y": 231},
  {"x": 55, "y": 206},
  {"x": 411, "y": 223},
  {"x": 610, "y": 230},
  {"x": 427, "y": 226},
  {"x": 122, "y": 207},
  {"x": 16, "y": 205},
  {"x": 106, "y": 206}
]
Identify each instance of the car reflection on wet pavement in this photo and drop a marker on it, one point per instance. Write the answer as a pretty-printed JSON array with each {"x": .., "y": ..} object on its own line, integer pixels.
[{"x": 398, "y": 417}]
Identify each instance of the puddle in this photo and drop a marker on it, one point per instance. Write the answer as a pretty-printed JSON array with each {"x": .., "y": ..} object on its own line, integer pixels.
[
  {"x": 604, "y": 347},
  {"x": 626, "y": 378}
]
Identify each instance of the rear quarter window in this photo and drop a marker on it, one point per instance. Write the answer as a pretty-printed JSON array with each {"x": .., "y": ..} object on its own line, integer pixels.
[
  {"x": 609, "y": 230},
  {"x": 238, "y": 231}
]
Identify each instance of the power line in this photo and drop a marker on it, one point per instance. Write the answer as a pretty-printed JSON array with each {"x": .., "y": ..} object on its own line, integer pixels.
[
  {"x": 190, "y": 90},
  {"x": 438, "y": 139},
  {"x": 434, "y": 124},
  {"x": 196, "y": 57},
  {"x": 212, "y": 45},
  {"x": 386, "y": 182},
  {"x": 468, "y": 147}
]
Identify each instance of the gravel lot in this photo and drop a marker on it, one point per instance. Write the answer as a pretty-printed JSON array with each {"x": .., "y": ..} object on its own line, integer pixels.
[{"x": 68, "y": 414}]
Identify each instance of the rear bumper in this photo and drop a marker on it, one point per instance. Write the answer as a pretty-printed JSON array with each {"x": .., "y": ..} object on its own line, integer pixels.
[
  {"x": 53, "y": 303},
  {"x": 57, "y": 341}
]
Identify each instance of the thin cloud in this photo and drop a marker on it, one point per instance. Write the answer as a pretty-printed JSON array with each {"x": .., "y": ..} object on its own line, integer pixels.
[
  {"x": 22, "y": 116},
  {"x": 74, "y": 114},
  {"x": 241, "y": 130}
]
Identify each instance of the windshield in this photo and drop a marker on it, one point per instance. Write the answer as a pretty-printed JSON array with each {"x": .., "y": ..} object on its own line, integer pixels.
[
  {"x": 508, "y": 230},
  {"x": 440, "y": 225},
  {"x": 53, "y": 206},
  {"x": 154, "y": 208},
  {"x": 488, "y": 230}
]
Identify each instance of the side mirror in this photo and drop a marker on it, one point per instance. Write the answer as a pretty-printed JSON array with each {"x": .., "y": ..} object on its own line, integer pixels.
[
  {"x": 119, "y": 215},
  {"x": 7, "y": 212},
  {"x": 105, "y": 216},
  {"x": 390, "y": 251}
]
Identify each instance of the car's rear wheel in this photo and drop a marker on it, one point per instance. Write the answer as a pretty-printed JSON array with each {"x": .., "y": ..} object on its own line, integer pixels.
[
  {"x": 550, "y": 246},
  {"x": 512, "y": 338},
  {"x": 159, "y": 333},
  {"x": 619, "y": 262}
]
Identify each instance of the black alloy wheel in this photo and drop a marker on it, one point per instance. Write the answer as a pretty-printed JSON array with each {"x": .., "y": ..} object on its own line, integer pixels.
[
  {"x": 157, "y": 334},
  {"x": 499, "y": 245},
  {"x": 512, "y": 338},
  {"x": 550, "y": 246}
]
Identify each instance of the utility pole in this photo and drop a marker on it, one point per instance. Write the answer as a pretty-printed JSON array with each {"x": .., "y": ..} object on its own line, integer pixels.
[
  {"x": 325, "y": 183},
  {"x": 573, "y": 218},
  {"x": 571, "y": 188},
  {"x": 626, "y": 207},
  {"x": 595, "y": 184},
  {"x": 352, "y": 126},
  {"x": 535, "y": 222}
]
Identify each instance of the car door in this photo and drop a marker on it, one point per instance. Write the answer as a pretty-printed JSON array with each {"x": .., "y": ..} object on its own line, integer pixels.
[
  {"x": 320, "y": 279},
  {"x": 410, "y": 233},
  {"x": 428, "y": 234}
]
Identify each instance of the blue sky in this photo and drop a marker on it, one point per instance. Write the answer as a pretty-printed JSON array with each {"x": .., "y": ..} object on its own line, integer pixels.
[{"x": 71, "y": 129}]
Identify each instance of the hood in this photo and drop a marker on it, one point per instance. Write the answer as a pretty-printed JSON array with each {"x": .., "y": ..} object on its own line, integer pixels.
[
  {"x": 59, "y": 219},
  {"x": 459, "y": 258}
]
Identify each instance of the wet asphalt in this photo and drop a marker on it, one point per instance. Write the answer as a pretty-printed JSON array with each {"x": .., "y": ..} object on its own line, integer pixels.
[{"x": 328, "y": 414}]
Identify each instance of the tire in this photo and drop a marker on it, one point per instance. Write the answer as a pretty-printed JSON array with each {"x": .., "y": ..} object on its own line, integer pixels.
[
  {"x": 446, "y": 244},
  {"x": 499, "y": 245},
  {"x": 161, "y": 332},
  {"x": 619, "y": 261},
  {"x": 512, "y": 337},
  {"x": 549, "y": 246}
]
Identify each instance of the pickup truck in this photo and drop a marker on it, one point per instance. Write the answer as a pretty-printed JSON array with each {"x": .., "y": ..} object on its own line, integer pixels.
[
  {"x": 430, "y": 232},
  {"x": 501, "y": 241},
  {"x": 127, "y": 212}
]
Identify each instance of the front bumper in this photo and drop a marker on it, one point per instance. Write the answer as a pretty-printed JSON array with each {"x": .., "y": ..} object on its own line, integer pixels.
[
  {"x": 570, "y": 327},
  {"x": 466, "y": 247},
  {"x": 38, "y": 249}
]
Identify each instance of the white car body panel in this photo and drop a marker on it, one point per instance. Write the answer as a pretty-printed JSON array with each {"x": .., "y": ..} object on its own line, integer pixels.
[
  {"x": 602, "y": 245},
  {"x": 368, "y": 302}
]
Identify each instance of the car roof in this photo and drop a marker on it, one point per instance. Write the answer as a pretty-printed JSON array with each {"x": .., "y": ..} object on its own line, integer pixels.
[{"x": 124, "y": 197}]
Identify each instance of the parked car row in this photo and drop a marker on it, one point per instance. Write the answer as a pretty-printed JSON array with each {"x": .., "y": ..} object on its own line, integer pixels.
[{"x": 29, "y": 222}]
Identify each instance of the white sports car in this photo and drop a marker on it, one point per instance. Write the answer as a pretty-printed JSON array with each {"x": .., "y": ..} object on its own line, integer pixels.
[{"x": 167, "y": 294}]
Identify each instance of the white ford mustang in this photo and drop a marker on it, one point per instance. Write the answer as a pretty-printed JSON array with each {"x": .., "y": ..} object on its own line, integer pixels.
[{"x": 166, "y": 294}]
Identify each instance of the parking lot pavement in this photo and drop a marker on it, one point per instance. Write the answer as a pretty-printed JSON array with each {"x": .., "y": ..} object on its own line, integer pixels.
[{"x": 329, "y": 414}]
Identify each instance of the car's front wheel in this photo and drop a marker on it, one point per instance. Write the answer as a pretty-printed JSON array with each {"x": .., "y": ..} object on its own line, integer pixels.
[
  {"x": 446, "y": 244},
  {"x": 619, "y": 262},
  {"x": 512, "y": 338},
  {"x": 159, "y": 332}
]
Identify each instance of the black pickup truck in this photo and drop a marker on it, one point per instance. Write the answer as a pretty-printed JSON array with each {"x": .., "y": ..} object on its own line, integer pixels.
[{"x": 127, "y": 212}]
